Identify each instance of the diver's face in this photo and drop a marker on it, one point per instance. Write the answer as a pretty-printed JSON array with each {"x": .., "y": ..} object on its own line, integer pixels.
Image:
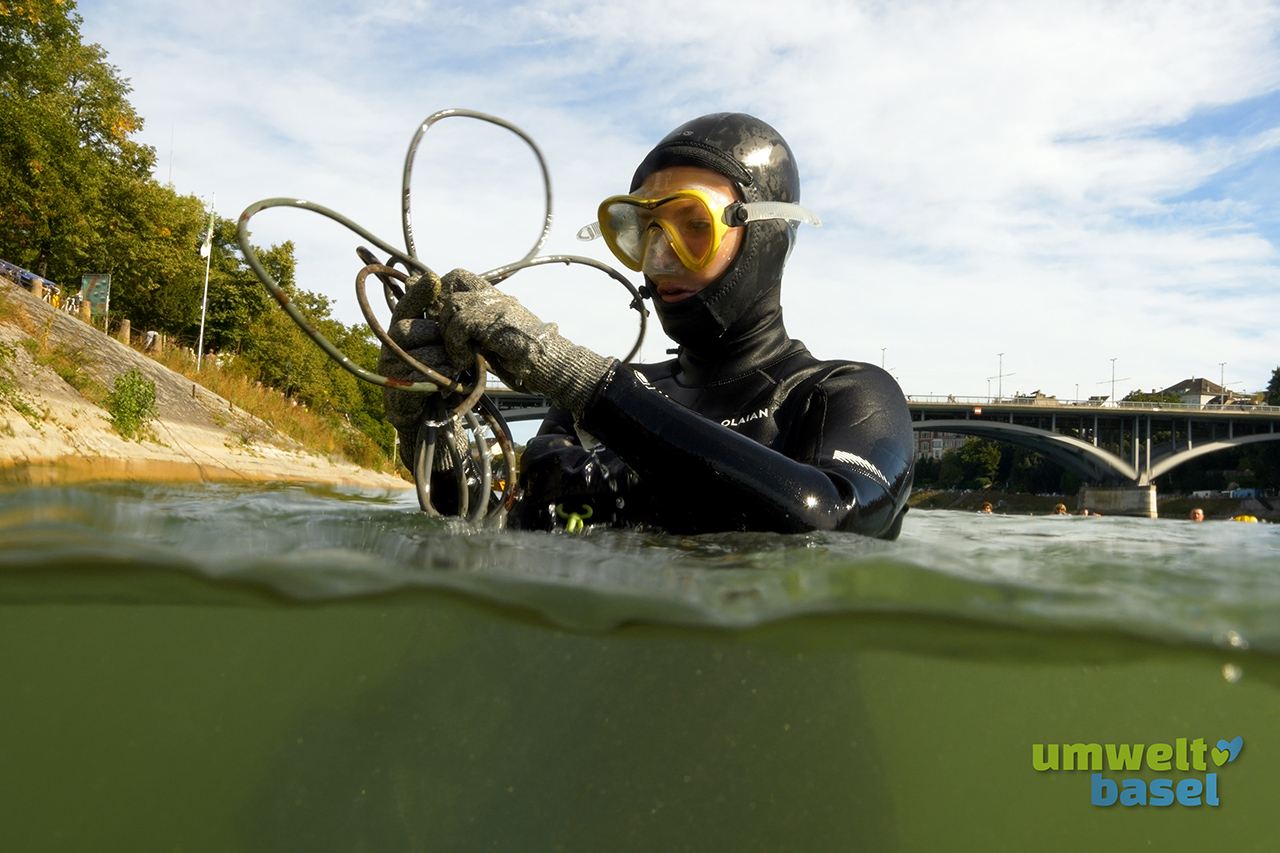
[{"x": 673, "y": 281}]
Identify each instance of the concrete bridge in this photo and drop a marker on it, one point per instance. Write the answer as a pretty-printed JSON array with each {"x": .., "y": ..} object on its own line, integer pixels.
[
  {"x": 1116, "y": 444},
  {"x": 1116, "y": 449},
  {"x": 1119, "y": 449}
]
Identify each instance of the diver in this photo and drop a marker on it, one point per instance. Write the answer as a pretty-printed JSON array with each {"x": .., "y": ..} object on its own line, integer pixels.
[{"x": 743, "y": 430}]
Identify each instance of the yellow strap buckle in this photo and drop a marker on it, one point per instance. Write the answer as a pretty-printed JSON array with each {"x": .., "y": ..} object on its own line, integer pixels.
[{"x": 573, "y": 521}]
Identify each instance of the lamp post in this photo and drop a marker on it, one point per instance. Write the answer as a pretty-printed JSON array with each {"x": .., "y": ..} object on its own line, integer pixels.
[{"x": 206, "y": 249}]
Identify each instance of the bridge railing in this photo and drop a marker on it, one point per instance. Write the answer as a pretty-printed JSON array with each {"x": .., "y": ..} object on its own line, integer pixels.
[{"x": 1042, "y": 402}]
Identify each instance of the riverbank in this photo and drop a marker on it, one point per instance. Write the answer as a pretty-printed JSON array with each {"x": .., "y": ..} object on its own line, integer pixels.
[
  {"x": 54, "y": 429},
  {"x": 1008, "y": 503}
]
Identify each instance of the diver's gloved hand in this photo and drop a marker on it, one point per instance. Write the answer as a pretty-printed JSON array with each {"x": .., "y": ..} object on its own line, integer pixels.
[
  {"x": 526, "y": 353},
  {"x": 421, "y": 338}
]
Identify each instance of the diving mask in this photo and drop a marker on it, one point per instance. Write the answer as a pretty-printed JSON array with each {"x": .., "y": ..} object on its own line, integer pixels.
[{"x": 693, "y": 222}]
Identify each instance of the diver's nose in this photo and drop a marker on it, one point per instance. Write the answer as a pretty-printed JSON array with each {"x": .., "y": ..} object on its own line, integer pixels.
[{"x": 659, "y": 257}]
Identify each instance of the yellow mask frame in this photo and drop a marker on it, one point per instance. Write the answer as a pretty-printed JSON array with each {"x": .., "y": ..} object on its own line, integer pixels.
[{"x": 693, "y": 220}]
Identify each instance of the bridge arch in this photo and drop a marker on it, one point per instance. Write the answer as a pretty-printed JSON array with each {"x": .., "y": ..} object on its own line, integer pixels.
[
  {"x": 1089, "y": 463},
  {"x": 1168, "y": 463}
]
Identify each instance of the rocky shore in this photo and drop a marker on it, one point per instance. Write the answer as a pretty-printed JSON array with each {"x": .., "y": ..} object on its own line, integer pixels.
[{"x": 51, "y": 434}]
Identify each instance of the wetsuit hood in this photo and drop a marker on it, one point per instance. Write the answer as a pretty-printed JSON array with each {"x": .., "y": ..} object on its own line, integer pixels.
[{"x": 744, "y": 304}]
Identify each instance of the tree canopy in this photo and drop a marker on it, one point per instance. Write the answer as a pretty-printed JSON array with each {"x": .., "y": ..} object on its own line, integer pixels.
[
  {"x": 77, "y": 196},
  {"x": 1153, "y": 397}
]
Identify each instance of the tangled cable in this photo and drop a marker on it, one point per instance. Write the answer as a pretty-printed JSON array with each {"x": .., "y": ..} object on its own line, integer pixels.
[{"x": 476, "y": 500}]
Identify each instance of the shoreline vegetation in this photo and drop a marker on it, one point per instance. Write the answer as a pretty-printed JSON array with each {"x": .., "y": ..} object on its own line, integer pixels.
[{"x": 60, "y": 382}]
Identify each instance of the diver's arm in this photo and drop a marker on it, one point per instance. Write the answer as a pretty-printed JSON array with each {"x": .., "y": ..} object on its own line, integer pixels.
[{"x": 705, "y": 477}]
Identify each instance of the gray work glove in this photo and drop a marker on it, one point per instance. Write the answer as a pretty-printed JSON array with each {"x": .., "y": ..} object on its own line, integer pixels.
[
  {"x": 524, "y": 352},
  {"x": 421, "y": 338}
]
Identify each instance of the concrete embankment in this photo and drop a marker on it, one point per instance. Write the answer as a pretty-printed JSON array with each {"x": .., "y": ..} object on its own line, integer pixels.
[{"x": 51, "y": 434}]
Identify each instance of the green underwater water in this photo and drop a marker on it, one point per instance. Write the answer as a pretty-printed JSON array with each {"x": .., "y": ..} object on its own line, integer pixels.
[{"x": 282, "y": 669}]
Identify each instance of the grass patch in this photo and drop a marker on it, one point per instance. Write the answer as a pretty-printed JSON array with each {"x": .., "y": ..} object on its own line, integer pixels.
[
  {"x": 70, "y": 365},
  {"x": 9, "y": 392},
  {"x": 324, "y": 433}
]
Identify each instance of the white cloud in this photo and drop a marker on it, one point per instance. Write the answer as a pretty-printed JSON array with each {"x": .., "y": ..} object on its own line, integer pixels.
[{"x": 994, "y": 177}]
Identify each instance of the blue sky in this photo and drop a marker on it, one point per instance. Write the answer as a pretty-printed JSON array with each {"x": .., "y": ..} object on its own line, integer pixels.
[{"x": 1061, "y": 183}]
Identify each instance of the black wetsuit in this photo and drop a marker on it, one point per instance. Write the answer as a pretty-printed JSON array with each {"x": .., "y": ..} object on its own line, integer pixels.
[
  {"x": 744, "y": 430},
  {"x": 768, "y": 438}
]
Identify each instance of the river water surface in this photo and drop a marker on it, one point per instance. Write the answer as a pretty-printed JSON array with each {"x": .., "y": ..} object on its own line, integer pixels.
[{"x": 219, "y": 668}]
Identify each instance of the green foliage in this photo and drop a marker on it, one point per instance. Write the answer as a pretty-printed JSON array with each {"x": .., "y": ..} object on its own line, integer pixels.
[
  {"x": 149, "y": 245},
  {"x": 236, "y": 298},
  {"x": 1144, "y": 397},
  {"x": 981, "y": 463},
  {"x": 66, "y": 131},
  {"x": 77, "y": 196},
  {"x": 9, "y": 392},
  {"x": 981, "y": 459},
  {"x": 1273, "y": 388},
  {"x": 131, "y": 403}
]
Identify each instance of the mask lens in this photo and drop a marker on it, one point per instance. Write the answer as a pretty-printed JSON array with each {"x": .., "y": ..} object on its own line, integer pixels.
[
  {"x": 688, "y": 219},
  {"x": 659, "y": 257},
  {"x": 624, "y": 231},
  {"x": 691, "y": 224}
]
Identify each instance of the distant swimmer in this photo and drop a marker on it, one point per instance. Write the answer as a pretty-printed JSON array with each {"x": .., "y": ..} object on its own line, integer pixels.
[
  {"x": 1197, "y": 514},
  {"x": 1060, "y": 509},
  {"x": 987, "y": 507}
]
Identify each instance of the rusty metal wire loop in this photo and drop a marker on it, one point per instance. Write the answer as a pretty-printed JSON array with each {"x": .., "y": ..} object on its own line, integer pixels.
[{"x": 473, "y": 398}]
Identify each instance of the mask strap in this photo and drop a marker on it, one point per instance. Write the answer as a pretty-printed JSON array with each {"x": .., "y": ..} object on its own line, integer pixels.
[{"x": 740, "y": 213}]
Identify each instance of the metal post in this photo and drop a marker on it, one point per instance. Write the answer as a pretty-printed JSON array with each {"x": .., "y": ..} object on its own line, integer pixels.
[
  {"x": 204, "y": 299},
  {"x": 1133, "y": 443},
  {"x": 1148, "y": 478}
]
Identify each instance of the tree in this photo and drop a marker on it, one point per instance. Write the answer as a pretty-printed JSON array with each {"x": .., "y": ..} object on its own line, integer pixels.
[
  {"x": 77, "y": 196},
  {"x": 150, "y": 246},
  {"x": 1153, "y": 397},
  {"x": 981, "y": 461},
  {"x": 65, "y": 137},
  {"x": 1273, "y": 388}
]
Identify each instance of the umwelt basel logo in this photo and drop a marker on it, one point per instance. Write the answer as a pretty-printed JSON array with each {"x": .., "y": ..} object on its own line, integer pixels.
[{"x": 1192, "y": 765}]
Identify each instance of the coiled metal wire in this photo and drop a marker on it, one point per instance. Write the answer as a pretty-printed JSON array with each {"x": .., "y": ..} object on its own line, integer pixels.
[{"x": 452, "y": 405}]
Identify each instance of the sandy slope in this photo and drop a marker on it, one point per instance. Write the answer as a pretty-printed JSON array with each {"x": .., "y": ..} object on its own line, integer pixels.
[{"x": 198, "y": 436}]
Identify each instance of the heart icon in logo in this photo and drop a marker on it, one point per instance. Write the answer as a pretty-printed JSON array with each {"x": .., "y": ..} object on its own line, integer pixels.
[{"x": 1227, "y": 750}]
